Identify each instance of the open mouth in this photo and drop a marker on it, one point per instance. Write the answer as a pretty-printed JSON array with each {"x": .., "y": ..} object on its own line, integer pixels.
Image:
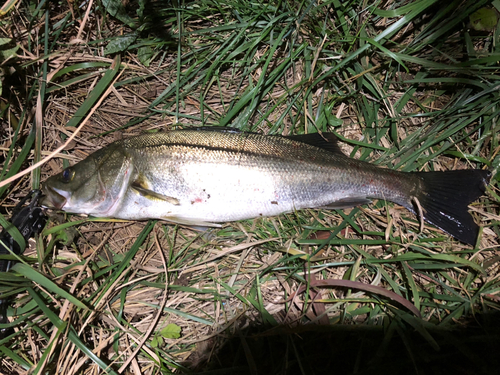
[{"x": 53, "y": 198}]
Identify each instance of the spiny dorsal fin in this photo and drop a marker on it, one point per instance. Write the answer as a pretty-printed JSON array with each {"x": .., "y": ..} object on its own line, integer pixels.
[
  {"x": 326, "y": 141},
  {"x": 220, "y": 129}
]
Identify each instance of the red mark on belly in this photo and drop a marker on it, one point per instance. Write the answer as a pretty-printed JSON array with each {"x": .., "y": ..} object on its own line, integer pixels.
[{"x": 197, "y": 200}]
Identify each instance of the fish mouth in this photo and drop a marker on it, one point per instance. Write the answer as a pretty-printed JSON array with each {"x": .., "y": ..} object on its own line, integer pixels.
[{"x": 53, "y": 198}]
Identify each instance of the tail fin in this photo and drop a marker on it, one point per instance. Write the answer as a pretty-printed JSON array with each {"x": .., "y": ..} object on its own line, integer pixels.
[{"x": 445, "y": 197}]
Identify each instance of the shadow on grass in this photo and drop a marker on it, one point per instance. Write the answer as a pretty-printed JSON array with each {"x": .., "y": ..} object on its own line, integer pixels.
[{"x": 472, "y": 348}]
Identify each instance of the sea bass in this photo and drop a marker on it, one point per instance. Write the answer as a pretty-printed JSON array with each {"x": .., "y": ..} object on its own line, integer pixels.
[{"x": 204, "y": 176}]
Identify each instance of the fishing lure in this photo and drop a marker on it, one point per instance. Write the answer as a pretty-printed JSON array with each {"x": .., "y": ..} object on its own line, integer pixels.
[{"x": 29, "y": 219}]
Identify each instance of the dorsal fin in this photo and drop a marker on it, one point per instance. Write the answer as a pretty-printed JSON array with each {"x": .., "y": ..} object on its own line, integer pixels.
[{"x": 326, "y": 141}]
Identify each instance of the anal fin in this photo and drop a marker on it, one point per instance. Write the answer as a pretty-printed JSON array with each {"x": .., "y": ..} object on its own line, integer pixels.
[{"x": 346, "y": 203}]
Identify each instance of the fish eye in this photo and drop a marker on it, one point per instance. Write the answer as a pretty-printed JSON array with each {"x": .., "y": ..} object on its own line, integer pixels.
[{"x": 68, "y": 174}]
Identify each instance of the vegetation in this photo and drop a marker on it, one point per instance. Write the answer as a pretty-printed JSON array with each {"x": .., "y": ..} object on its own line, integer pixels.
[{"x": 410, "y": 85}]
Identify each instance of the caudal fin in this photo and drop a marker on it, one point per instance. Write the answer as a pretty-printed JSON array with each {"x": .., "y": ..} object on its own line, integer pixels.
[{"x": 445, "y": 197}]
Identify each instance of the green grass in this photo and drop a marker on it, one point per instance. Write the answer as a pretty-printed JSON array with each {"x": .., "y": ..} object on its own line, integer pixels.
[{"x": 406, "y": 85}]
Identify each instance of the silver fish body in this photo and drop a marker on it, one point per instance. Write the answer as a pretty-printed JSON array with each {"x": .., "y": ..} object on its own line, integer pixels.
[{"x": 201, "y": 177}]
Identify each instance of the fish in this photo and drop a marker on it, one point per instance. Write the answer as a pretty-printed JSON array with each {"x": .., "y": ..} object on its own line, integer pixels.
[{"x": 211, "y": 175}]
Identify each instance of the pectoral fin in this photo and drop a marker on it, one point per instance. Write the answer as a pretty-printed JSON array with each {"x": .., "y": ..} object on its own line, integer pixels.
[{"x": 150, "y": 194}]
